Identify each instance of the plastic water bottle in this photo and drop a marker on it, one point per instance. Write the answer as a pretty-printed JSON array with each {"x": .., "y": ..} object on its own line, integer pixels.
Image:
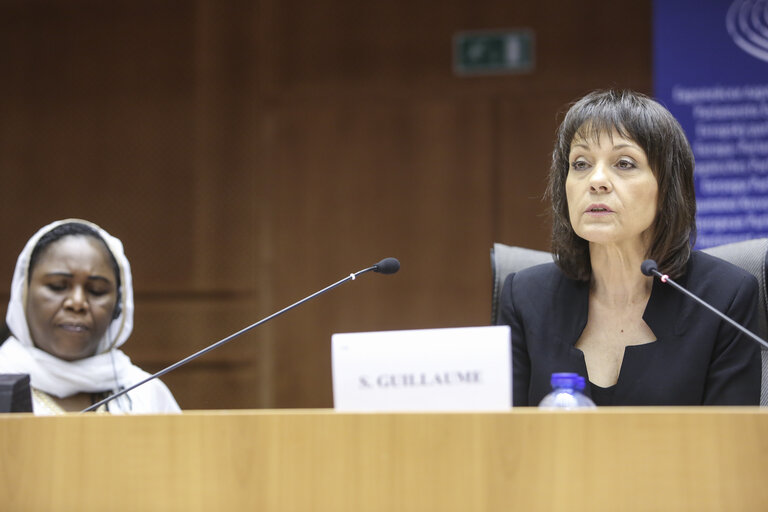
[{"x": 567, "y": 393}]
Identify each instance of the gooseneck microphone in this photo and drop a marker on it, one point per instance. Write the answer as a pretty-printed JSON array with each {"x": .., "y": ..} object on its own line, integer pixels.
[
  {"x": 649, "y": 268},
  {"x": 385, "y": 266}
]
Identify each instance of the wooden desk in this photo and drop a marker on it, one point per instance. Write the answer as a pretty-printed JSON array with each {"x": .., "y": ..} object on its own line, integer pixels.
[{"x": 611, "y": 459}]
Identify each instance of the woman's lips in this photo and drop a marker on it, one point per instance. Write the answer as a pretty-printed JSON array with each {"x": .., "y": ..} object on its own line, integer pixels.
[
  {"x": 74, "y": 327},
  {"x": 598, "y": 210}
]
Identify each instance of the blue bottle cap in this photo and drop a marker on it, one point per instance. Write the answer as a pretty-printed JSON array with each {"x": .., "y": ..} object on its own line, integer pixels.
[{"x": 566, "y": 380}]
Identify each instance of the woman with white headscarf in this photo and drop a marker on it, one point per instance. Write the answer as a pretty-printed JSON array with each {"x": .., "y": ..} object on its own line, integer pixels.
[{"x": 71, "y": 308}]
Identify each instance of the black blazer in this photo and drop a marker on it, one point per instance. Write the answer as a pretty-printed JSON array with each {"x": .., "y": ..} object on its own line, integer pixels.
[{"x": 697, "y": 359}]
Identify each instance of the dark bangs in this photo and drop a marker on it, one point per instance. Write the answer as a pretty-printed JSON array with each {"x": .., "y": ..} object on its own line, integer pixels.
[{"x": 639, "y": 118}]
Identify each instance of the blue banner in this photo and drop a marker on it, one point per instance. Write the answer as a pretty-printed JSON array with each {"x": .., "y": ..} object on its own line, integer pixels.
[{"x": 711, "y": 72}]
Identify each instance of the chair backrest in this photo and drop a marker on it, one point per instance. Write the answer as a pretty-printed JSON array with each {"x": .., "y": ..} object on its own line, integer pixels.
[
  {"x": 751, "y": 255},
  {"x": 507, "y": 260}
]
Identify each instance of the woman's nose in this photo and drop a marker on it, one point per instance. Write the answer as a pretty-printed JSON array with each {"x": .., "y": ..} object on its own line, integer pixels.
[
  {"x": 598, "y": 180},
  {"x": 76, "y": 299}
]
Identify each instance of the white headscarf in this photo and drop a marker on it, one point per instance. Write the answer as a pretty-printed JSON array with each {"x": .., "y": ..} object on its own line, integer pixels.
[{"x": 108, "y": 369}]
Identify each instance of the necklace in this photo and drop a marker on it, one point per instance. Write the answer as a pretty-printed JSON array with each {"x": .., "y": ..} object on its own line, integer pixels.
[
  {"x": 48, "y": 403},
  {"x": 51, "y": 406}
]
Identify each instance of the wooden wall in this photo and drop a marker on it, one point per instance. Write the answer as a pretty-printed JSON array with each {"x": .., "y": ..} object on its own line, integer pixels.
[{"x": 249, "y": 153}]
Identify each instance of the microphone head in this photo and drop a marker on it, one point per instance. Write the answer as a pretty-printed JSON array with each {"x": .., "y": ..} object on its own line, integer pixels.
[
  {"x": 387, "y": 266},
  {"x": 648, "y": 266}
]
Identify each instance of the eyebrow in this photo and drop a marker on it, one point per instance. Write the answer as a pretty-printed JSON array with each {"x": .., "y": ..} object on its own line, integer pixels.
[
  {"x": 67, "y": 274},
  {"x": 614, "y": 148}
]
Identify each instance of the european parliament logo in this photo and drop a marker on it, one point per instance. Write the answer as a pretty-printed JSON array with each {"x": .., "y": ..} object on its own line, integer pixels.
[
  {"x": 706, "y": 73},
  {"x": 747, "y": 24}
]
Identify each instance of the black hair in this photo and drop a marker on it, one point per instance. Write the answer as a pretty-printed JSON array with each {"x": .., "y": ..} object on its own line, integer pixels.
[{"x": 5, "y": 332}]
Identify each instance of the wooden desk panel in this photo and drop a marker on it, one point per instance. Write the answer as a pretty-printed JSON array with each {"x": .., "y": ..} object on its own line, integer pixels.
[{"x": 610, "y": 459}]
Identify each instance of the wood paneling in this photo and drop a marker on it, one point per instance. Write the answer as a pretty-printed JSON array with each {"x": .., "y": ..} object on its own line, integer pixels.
[
  {"x": 351, "y": 184},
  {"x": 97, "y": 121},
  {"x": 249, "y": 153},
  {"x": 705, "y": 459}
]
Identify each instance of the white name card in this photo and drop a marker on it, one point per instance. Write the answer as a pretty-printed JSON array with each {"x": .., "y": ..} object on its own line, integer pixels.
[{"x": 458, "y": 369}]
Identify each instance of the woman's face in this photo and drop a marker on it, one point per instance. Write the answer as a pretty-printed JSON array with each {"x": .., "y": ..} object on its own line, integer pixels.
[
  {"x": 71, "y": 297},
  {"x": 611, "y": 190}
]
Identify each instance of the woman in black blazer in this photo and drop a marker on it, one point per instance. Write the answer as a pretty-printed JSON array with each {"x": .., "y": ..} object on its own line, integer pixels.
[{"x": 621, "y": 186}]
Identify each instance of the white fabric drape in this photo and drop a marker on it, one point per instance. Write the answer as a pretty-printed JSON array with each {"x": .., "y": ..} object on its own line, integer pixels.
[{"x": 108, "y": 369}]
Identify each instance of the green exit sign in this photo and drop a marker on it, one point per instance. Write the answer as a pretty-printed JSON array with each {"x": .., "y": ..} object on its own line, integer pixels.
[{"x": 493, "y": 52}]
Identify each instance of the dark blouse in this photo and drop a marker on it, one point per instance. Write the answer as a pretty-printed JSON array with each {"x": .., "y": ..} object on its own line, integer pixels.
[
  {"x": 602, "y": 396},
  {"x": 697, "y": 358}
]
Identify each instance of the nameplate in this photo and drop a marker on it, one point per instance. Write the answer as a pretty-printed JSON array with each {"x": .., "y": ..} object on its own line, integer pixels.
[{"x": 457, "y": 369}]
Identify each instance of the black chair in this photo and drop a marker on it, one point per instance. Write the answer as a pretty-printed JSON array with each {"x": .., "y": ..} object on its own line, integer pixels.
[
  {"x": 506, "y": 260},
  {"x": 751, "y": 255}
]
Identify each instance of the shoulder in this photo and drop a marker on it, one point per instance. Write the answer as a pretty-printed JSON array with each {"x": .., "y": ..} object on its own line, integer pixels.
[
  {"x": 545, "y": 274},
  {"x": 541, "y": 285},
  {"x": 155, "y": 397},
  {"x": 152, "y": 396},
  {"x": 710, "y": 276},
  {"x": 716, "y": 271}
]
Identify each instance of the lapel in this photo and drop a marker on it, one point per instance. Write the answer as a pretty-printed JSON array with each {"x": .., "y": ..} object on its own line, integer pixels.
[
  {"x": 574, "y": 304},
  {"x": 665, "y": 313}
]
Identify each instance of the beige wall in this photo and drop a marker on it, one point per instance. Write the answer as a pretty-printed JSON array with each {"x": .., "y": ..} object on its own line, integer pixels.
[{"x": 249, "y": 153}]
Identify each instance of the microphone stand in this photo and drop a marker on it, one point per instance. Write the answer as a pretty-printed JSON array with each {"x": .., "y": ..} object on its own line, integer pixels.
[{"x": 385, "y": 266}]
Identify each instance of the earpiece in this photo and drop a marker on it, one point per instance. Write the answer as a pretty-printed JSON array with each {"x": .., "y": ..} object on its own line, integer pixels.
[{"x": 118, "y": 305}]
